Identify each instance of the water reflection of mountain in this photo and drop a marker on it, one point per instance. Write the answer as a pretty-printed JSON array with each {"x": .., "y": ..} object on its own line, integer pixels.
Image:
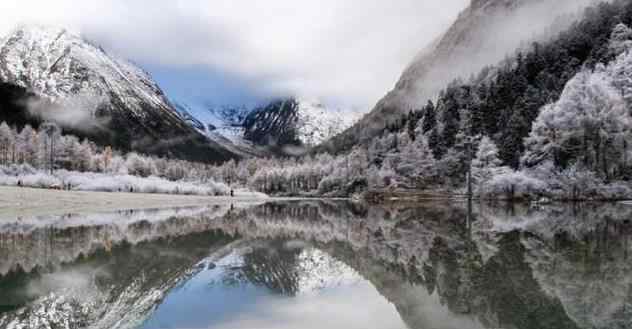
[{"x": 555, "y": 267}]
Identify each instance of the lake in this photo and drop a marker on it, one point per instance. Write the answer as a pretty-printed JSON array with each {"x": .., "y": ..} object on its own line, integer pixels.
[{"x": 320, "y": 264}]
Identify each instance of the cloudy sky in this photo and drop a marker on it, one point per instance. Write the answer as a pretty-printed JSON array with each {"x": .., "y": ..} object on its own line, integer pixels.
[{"x": 348, "y": 52}]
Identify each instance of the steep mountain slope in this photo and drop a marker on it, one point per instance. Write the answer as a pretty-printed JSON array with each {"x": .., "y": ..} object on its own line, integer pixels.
[
  {"x": 85, "y": 89},
  {"x": 483, "y": 34},
  {"x": 296, "y": 121},
  {"x": 274, "y": 124}
]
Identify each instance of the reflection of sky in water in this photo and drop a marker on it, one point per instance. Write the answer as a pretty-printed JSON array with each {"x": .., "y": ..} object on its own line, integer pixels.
[
  {"x": 202, "y": 303},
  {"x": 513, "y": 268}
]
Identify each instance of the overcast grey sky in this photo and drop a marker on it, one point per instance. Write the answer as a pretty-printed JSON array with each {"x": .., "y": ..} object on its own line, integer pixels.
[{"x": 343, "y": 51}]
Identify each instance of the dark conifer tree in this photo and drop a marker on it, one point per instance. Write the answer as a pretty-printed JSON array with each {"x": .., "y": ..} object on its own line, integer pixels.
[{"x": 430, "y": 117}]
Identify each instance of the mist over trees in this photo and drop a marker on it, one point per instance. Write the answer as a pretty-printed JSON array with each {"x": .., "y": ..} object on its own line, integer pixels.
[
  {"x": 47, "y": 148},
  {"x": 28, "y": 153},
  {"x": 562, "y": 104}
]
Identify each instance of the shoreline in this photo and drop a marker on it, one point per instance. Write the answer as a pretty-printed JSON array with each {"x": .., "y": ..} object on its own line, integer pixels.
[
  {"x": 17, "y": 202},
  {"x": 22, "y": 202}
]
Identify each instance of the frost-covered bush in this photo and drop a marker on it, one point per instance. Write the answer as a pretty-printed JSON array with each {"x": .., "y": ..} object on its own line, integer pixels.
[
  {"x": 577, "y": 183},
  {"x": 25, "y": 175},
  {"x": 614, "y": 191},
  {"x": 40, "y": 180},
  {"x": 17, "y": 169},
  {"x": 129, "y": 183},
  {"x": 513, "y": 185},
  {"x": 246, "y": 193},
  {"x": 330, "y": 184},
  {"x": 79, "y": 181}
]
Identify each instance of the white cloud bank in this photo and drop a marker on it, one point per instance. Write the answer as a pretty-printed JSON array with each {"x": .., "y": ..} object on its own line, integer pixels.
[{"x": 347, "y": 51}]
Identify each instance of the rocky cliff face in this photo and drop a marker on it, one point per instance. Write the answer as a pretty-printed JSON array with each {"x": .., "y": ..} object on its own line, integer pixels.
[
  {"x": 295, "y": 122},
  {"x": 85, "y": 89},
  {"x": 273, "y": 125}
]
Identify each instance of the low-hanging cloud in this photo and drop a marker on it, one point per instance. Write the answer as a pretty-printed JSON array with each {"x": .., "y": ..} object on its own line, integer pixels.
[
  {"x": 347, "y": 51},
  {"x": 76, "y": 112}
]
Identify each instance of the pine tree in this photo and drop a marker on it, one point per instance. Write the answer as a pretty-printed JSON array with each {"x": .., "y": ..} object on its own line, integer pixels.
[
  {"x": 430, "y": 117},
  {"x": 6, "y": 143}
]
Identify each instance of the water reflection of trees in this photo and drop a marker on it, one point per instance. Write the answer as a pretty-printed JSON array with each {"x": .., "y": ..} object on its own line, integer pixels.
[
  {"x": 508, "y": 267},
  {"x": 503, "y": 271}
]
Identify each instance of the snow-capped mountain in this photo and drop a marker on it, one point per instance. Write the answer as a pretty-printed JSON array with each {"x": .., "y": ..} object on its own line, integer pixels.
[
  {"x": 295, "y": 121},
  {"x": 277, "y": 123},
  {"x": 124, "y": 104},
  {"x": 225, "y": 121},
  {"x": 223, "y": 125},
  {"x": 283, "y": 270}
]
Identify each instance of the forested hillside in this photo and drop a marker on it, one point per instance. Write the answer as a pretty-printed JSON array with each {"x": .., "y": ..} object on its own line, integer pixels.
[
  {"x": 580, "y": 79},
  {"x": 553, "y": 120},
  {"x": 483, "y": 34},
  {"x": 503, "y": 101}
]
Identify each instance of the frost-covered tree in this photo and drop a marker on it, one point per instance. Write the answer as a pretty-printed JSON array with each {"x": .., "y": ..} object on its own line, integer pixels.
[
  {"x": 513, "y": 184},
  {"x": 577, "y": 182},
  {"x": 358, "y": 163},
  {"x": 7, "y": 142},
  {"x": 486, "y": 164},
  {"x": 29, "y": 146},
  {"x": 138, "y": 165},
  {"x": 590, "y": 123},
  {"x": 417, "y": 163},
  {"x": 84, "y": 157},
  {"x": 386, "y": 175},
  {"x": 52, "y": 132},
  {"x": 620, "y": 39},
  {"x": 486, "y": 154}
]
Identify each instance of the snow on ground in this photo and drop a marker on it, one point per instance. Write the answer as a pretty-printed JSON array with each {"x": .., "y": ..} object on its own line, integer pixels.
[{"x": 18, "y": 202}]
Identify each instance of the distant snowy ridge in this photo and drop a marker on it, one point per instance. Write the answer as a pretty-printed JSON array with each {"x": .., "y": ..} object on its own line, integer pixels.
[
  {"x": 317, "y": 123},
  {"x": 308, "y": 122}
]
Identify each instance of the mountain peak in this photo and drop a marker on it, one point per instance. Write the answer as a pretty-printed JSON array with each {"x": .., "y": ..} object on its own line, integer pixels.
[
  {"x": 56, "y": 62},
  {"x": 127, "y": 105},
  {"x": 477, "y": 4}
]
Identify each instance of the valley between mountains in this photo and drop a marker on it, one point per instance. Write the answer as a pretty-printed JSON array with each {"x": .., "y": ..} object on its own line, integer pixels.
[{"x": 539, "y": 114}]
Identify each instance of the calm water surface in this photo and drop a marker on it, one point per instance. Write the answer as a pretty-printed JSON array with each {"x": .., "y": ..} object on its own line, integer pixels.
[{"x": 320, "y": 264}]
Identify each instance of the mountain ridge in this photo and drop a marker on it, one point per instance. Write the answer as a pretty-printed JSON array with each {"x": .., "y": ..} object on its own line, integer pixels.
[
  {"x": 82, "y": 87},
  {"x": 270, "y": 125}
]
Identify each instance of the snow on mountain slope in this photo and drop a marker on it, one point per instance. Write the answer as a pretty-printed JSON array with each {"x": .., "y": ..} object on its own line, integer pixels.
[
  {"x": 296, "y": 122},
  {"x": 222, "y": 125},
  {"x": 185, "y": 111},
  {"x": 306, "y": 122},
  {"x": 57, "y": 63},
  {"x": 319, "y": 271},
  {"x": 316, "y": 123},
  {"x": 295, "y": 272},
  {"x": 113, "y": 99}
]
